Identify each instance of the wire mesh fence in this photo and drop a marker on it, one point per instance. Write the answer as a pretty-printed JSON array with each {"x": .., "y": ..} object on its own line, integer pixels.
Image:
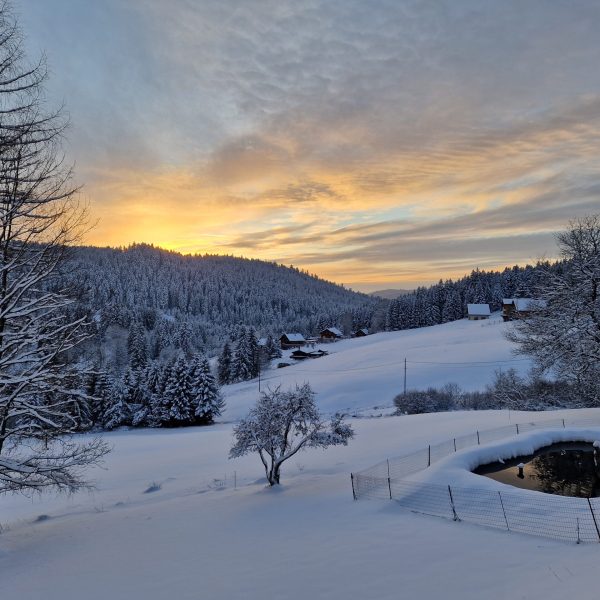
[{"x": 547, "y": 515}]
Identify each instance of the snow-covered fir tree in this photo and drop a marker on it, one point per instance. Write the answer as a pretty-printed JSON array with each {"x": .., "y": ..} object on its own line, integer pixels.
[
  {"x": 178, "y": 393},
  {"x": 225, "y": 365},
  {"x": 206, "y": 397}
]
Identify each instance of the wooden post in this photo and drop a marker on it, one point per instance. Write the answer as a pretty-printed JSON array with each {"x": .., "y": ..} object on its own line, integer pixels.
[
  {"x": 517, "y": 426},
  {"x": 503, "y": 511},
  {"x": 352, "y": 480},
  {"x": 454, "y": 444},
  {"x": 429, "y": 455},
  {"x": 390, "y": 487},
  {"x": 563, "y": 423},
  {"x": 452, "y": 504},
  {"x": 594, "y": 517},
  {"x": 478, "y": 438}
]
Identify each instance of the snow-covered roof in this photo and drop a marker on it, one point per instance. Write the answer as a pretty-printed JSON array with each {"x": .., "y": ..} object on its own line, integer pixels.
[
  {"x": 522, "y": 304},
  {"x": 363, "y": 330},
  {"x": 334, "y": 330},
  {"x": 294, "y": 337},
  {"x": 479, "y": 310}
]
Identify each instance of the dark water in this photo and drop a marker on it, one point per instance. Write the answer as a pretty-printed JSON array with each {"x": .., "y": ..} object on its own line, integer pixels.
[{"x": 566, "y": 469}]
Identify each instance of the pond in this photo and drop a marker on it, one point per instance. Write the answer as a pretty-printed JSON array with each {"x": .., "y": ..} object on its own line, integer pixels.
[{"x": 566, "y": 469}]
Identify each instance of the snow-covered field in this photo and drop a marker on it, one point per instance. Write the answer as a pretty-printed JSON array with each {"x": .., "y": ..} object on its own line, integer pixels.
[
  {"x": 368, "y": 372},
  {"x": 211, "y": 529},
  {"x": 198, "y": 537}
]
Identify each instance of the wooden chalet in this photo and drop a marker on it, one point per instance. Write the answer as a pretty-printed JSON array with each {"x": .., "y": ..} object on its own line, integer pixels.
[
  {"x": 361, "y": 332},
  {"x": 514, "y": 308},
  {"x": 292, "y": 340},
  {"x": 477, "y": 312},
  {"x": 330, "y": 334}
]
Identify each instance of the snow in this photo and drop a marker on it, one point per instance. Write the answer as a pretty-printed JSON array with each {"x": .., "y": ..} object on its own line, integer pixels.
[
  {"x": 367, "y": 372},
  {"x": 479, "y": 310},
  {"x": 198, "y": 537},
  {"x": 294, "y": 337},
  {"x": 333, "y": 330},
  {"x": 211, "y": 528}
]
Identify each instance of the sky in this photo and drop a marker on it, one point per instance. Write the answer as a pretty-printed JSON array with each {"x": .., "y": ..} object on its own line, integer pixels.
[{"x": 378, "y": 144}]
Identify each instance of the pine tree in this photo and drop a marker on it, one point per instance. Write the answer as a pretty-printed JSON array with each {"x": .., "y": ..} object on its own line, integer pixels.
[
  {"x": 225, "y": 367},
  {"x": 242, "y": 358},
  {"x": 253, "y": 351},
  {"x": 178, "y": 394},
  {"x": 206, "y": 396},
  {"x": 137, "y": 346},
  {"x": 117, "y": 412}
]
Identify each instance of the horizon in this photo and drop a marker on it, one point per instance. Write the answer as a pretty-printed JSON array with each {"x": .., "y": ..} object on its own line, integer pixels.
[{"x": 380, "y": 147}]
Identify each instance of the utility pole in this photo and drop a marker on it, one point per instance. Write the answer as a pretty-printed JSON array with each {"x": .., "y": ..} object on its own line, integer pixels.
[{"x": 405, "y": 376}]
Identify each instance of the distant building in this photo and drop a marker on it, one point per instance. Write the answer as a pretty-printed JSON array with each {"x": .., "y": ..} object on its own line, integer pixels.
[
  {"x": 291, "y": 340},
  {"x": 361, "y": 332},
  {"x": 514, "y": 308},
  {"x": 476, "y": 312},
  {"x": 331, "y": 333},
  {"x": 301, "y": 354}
]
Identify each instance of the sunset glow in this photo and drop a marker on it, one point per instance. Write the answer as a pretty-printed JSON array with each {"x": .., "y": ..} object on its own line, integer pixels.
[{"x": 374, "y": 144}]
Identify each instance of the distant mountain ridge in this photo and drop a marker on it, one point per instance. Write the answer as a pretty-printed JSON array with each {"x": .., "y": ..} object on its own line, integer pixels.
[
  {"x": 391, "y": 293},
  {"x": 194, "y": 303}
]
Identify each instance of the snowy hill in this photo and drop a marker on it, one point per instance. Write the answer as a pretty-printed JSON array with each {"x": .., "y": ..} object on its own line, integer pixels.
[
  {"x": 210, "y": 533},
  {"x": 364, "y": 373}
]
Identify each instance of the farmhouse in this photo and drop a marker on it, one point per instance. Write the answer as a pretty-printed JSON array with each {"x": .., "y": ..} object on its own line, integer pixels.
[
  {"x": 476, "y": 312},
  {"x": 331, "y": 333},
  {"x": 513, "y": 308},
  {"x": 361, "y": 332},
  {"x": 291, "y": 340}
]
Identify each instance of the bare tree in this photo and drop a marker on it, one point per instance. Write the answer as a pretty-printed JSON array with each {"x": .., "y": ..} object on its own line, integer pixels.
[
  {"x": 284, "y": 423},
  {"x": 562, "y": 333},
  {"x": 39, "y": 219}
]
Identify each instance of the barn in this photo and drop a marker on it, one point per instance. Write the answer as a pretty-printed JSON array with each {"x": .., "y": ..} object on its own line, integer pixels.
[{"x": 476, "y": 312}]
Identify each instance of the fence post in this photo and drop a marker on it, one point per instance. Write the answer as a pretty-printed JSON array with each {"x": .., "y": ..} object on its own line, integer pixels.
[
  {"x": 563, "y": 423},
  {"x": 429, "y": 455},
  {"x": 388, "y": 465},
  {"x": 454, "y": 444},
  {"x": 390, "y": 487},
  {"x": 594, "y": 517},
  {"x": 578, "y": 538},
  {"x": 503, "y": 511},
  {"x": 517, "y": 426},
  {"x": 452, "y": 504},
  {"x": 352, "y": 480},
  {"x": 478, "y": 438}
]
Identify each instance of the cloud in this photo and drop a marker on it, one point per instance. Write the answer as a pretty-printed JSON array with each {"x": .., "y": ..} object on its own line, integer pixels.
[{"x": 400, "y": 138}]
